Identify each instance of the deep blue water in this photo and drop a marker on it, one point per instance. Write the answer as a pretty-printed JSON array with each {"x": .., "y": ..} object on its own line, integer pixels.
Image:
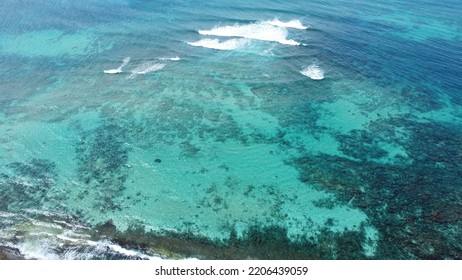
[{"x": 231, "y": 129}]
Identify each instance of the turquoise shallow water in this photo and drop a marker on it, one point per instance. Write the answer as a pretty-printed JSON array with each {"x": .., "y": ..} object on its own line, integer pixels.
[{"x": 234, "y": 129}]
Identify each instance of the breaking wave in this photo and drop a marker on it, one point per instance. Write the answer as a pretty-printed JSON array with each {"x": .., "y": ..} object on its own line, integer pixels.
[
  {"x": 313, "y": 71},
  {"x": 295, "y": 23},
  {"x": 263, "y": 31},
  {"x": 230, "y": 44},
  {"x": 51, "y": 236}
]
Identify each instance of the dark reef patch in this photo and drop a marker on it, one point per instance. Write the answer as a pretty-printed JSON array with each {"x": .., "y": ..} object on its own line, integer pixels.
[
  {"x": 421, "y": 98},
  {"x": 26, "y": 184},
  {"x": 417, "y": 205},
  {"x": 369, "y": 147},
  {"x": 270, "y": 242},
  {"x": 102, "y": 155},
  {"x": 171, "y": 121},
  {"x": 36, "y": 168},
  {"x": 300, "y": 97}
]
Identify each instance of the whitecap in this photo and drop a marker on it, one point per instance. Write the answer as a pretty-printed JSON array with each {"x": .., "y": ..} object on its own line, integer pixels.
[
  {"x": 230, "y": 44},
  {"x": 295, "y": 23},
  {"x": 262, "y": 31},
  {"x": 313, "y": 71}
]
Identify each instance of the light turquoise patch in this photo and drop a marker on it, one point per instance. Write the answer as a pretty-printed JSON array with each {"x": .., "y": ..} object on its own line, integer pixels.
[
  {"x": 449, "y": 114},
  {"x": 51, "y": 43},
  {"x": 420, "y": 28}
]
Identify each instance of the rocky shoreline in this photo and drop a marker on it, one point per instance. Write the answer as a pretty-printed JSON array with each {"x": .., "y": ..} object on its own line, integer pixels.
[{"x": 10, "y": 253}]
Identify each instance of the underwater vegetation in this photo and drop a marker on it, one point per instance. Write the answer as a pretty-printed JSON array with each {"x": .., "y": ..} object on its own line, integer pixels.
[
  {"x": 257, "y": 243},
  {"x": 27, "y": 184},
  {"x": 102, "y": 158},
  {"x": 416, "y": 205}
]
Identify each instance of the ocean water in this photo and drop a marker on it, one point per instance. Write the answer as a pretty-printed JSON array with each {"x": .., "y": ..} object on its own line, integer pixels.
[{"x": 231, "y": 129}]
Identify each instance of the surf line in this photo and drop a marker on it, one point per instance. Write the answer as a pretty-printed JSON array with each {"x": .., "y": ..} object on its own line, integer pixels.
[{"x": 119, "y": 69}]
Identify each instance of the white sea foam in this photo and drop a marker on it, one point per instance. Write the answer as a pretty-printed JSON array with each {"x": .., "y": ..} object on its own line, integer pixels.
[
  {"x": 67, "y": 238},
  {"x": 125, "y": 62},
  {"x": 176, "y": 58},
  {"x": 42, "y": 212},
  {"x": 126, "y": 252},
  {"x": 46, "y": 225},
  {"x": 43, "y": 245},
  {"x": 146, "y": 67},
  {"x": 230, "y": 44},
  {"x": 66, "y": 224},
  {"x": 313, "y": 71},
  {"x": 45, "y": 249},
  {"x": 262, "y": 31},
  {"x": 119, "y": 69},
  {"x": 295, "y": 23},
  {"x": 6, "y": 214},
  {"x": 37, "y": 250},
  {"x": 113, "y": 71},
  {"x": 45, "y": 240}
]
